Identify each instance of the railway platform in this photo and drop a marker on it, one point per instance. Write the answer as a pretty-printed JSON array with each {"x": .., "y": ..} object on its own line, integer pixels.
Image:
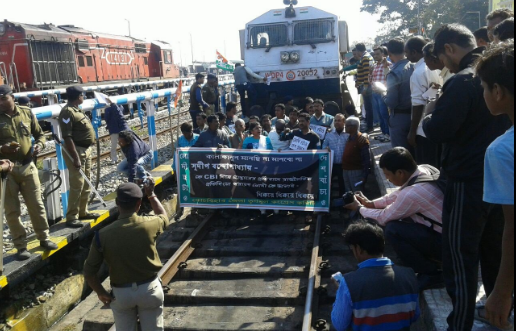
[{"x": 16, "y": 272}]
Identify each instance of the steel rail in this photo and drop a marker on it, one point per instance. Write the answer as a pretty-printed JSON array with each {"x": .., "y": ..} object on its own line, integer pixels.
[{"x": 307, "y": 321}]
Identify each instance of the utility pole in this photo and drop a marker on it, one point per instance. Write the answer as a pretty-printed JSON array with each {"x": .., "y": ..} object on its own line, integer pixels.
[
  {"x": 129, "y": 26},
  {"x": 191, "y": 44},
  {"x": 420, "y": 23}
]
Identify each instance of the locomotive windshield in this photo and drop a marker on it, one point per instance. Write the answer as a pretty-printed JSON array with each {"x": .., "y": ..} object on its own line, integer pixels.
[
  {"x": 314, "y": 32},
  {"x": 267, "y": 36},
  {"x": 2, "y": 29}
]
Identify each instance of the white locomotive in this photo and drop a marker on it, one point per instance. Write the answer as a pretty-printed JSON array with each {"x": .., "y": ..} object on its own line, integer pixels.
[{"x": 300, "y": 50}]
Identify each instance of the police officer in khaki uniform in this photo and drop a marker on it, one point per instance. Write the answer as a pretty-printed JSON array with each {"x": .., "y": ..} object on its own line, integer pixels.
[
  {"x": 17, "y": 126},
  {"x": 79, "y": 137},
  {"x": 210, "y": 95},
  {"x": 128, "y": 246}
]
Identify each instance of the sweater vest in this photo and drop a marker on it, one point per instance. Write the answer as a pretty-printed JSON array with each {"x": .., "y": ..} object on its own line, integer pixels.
[{"x": 384, "y": 298}]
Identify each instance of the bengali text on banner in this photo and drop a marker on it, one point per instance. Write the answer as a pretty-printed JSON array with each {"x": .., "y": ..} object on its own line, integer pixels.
[{"x": 248, "y": 179}]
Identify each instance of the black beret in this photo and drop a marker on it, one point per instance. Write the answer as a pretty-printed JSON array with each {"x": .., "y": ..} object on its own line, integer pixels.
[
  {"x": 129, "y": 192},
  {"x": 5, "y": 90},
  {"x": 212, "y": 77},
  {"x": 74, "y": 91},
  {"x": 23, "y": 100}
]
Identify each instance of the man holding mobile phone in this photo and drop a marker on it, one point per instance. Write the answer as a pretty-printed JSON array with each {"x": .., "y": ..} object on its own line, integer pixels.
[
  {"x": 137, "y": 291},
  {"x": 17, "y": 127}
]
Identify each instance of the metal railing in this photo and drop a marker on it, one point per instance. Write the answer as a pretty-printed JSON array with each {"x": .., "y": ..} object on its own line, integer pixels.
[{"x": 150, "y": 99}]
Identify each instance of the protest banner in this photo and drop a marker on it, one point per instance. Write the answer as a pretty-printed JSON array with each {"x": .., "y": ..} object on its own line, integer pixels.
[{"x": 245, "y": 179}]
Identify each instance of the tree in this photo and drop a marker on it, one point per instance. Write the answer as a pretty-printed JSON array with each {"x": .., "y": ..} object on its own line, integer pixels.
[{"x": 400, "y": 17}]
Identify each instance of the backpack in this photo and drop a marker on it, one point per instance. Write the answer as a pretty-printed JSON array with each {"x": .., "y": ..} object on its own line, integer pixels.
[{"x": 434, "y": 178}]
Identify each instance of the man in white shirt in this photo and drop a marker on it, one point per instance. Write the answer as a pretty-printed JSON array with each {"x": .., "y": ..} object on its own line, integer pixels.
[
  {"x": 275, "y": 137},
  {"x": 421, "y": 81}
]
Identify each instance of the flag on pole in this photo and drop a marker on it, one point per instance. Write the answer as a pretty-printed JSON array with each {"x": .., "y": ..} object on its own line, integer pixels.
[
  {"x": 223, "y": 63},
  {"x": 179, "y": 92}
]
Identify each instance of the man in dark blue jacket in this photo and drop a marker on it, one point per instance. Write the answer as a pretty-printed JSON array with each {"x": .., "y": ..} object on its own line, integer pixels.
[
  {"x": 115, "y": 122},
  {"x": 472, "y": 229},
  {"x": 137, "y": 154}
]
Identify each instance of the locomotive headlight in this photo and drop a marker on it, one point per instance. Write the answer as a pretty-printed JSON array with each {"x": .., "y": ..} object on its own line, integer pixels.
[
  {"x": 295, "y": 56},
  {"x": 285, "y": 57}
]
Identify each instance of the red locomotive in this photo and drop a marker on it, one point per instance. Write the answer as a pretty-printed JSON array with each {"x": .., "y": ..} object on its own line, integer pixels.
[{"x": 40, "y": 57}]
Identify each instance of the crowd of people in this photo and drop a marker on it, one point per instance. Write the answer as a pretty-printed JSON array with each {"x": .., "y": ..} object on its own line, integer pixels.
[
  {"x": 445, "y": 105},
  {"x": 451, "y": 125}
]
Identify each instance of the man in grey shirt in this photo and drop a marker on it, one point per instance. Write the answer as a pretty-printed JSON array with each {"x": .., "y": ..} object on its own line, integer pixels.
[
  {"x": 243, "y": 84},
  {"x": 213, "y": 137},
  {"x": 399, "y": 95}
]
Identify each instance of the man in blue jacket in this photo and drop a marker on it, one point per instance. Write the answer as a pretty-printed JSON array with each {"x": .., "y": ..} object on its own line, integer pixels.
[
  {"x": 115, "y": 122},
  {"x": 137, "y": 154}
]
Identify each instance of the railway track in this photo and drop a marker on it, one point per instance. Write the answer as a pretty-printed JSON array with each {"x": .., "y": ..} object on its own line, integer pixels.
[
  {"x": 252, "y": 275},
  {"x": 107, "y": 138}
]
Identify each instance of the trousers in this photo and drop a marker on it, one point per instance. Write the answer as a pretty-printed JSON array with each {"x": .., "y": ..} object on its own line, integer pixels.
[
  {"x": 368, "y": 105},
  {"x": 79, "y": 190},
  {"x": 418, "y": 246},
  {"x": 382, "y": 112},
  {"x": 428, "y": 153},
  {"x": 351, "y": 178},
  {"x": 125, "y": 168},
  {"x": 25, "y": 181},
  {"x": 251, "y": 93},
  {"x": 193, "y": 115},
  {"x": 114, "y": 146},
  {"x": 399, "y": 125},
  {"x": 339, "y": 174},
  {"x": 472, "y": 234},
  {"x": 144, "y": 302}
]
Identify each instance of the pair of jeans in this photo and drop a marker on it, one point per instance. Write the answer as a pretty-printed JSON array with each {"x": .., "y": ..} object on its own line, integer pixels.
[
  {"x": 382, "y": 112},
  {"x": 418, "y": 246},
  {"x": 251, "y": 93},
  {"x": 368, "y": 105},
  {"x": 472, "y": 235},
  {"x": 125, "y": 168},
  {"x": 399, "y": 124}
]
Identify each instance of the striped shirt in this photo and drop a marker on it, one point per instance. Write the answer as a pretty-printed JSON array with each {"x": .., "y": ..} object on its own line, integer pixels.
[
  {"x": 364, "y": 70},
  {"x": 408, "y": 202}
]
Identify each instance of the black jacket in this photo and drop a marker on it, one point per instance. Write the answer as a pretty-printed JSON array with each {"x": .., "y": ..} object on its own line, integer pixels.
[{"x": 463, "y": 124}]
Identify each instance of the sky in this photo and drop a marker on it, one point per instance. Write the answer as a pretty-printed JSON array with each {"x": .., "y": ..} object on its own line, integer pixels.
[{"x": 212, "y": 25}]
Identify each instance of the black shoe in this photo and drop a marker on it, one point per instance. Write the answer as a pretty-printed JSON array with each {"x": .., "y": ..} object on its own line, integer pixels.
[
  {"x": 48, "y": 245},
  {"x": 23, "y": 255},
  {"x": 74, "y": 224},
  {"x": 90, "y": 216},
  {"x": 427, "y": 281}
]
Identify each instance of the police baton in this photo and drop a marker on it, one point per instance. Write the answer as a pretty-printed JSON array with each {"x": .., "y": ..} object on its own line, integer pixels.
[{"x": 58, "y": 142}]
